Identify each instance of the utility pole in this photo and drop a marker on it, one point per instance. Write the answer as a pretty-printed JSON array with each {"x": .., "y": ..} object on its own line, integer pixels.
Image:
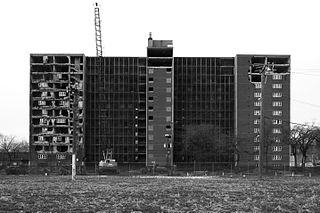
[
  {"x": 74, "y": 90},
  {"x": 266, "y": 69},
  {"x": 261, "y": 144}
]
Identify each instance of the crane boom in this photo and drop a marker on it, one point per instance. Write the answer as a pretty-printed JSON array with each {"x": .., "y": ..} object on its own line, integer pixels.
[{"x": 97, "y": 23}]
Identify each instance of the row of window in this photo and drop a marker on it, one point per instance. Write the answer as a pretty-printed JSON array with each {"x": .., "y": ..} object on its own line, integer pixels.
[
  {"x": 45, "y": 156},
  {"x": 274, "y": 130},
  {"x": 151, "y": 70},
  {"x": 150, "y": 118},
  {"x": 151, "y": 99},
  {"x": 274, "y": 112},
  {"x": 257, "y": 85},
  {"x": 274, "y": 148},
  {"x": 151, "y": 80},
  {"x": 274, "y": 103},
  {"x": 274, "y": 94},
  {"x": 274, "y": 121},
  {"x": 275, "y": 139},
  {"x": 274, "y": 157}
]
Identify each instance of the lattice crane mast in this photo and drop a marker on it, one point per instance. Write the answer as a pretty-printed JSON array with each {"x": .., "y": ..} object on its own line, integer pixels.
[{"x": 97, "y": 24}]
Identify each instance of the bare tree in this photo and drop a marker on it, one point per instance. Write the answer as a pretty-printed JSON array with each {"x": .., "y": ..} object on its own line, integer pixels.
[
  {"x": 294, "y": 142},
  {"x": 9, "y": 145},
  {"x": 303, "y": 137}
]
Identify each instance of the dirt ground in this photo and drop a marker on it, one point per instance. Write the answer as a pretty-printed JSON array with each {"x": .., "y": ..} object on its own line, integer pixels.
[{"x": 158, "y": 194}]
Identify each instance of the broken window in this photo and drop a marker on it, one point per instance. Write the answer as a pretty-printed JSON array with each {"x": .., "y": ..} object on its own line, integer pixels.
[
  {"x": 42, "y": 103},
  {"x": 61, "y": 68},
  {"x": 38, "y": 148},
  {"x": 44, "y": 94},
  {"x": 62, "y": 148},
  {"x": 64, "y": 103},
  {"x": 36, "y": 59},
  {"x": 54, "y": 139},
  {"x": 43, "y": 121},
  {"x": 43, "y": 85},
  {"x": 62, "y": 59}
]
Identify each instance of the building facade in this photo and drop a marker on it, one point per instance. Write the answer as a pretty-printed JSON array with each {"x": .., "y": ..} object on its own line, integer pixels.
[
  {"x": 276, "y": 107},
  {"x": 52, "y": 79},
  {"x": 158, "y": 109}
]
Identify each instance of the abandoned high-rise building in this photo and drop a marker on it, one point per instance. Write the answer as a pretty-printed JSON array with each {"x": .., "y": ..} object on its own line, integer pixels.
[{"x": 158, "y": 109}]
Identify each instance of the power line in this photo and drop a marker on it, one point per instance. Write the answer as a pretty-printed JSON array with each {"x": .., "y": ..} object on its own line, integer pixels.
[
  {"x": 286, "y": 121},
  {"x": 300, "y": 73},
  {"x": 310, "y": 104},
  {"x": 310, "y": 69}
]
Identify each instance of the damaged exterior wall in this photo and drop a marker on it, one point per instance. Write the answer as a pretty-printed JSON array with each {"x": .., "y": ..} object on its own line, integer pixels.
[
  {"x": 179, "y": 93},
  {"x": 276, "y": 110},
  {"x": 52, "y": 78}
]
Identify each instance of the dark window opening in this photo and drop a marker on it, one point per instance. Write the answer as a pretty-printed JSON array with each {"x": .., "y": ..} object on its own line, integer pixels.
[
  {"x": 38, "y": 148},
  {"x": 62, "y": 148},
  {"x": 62, "y": 59}
]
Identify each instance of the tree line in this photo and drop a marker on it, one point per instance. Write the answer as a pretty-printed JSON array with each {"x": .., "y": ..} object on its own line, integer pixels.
[
  {"x": 10, "y": 145},
  {"x": 204, "y": 142}
]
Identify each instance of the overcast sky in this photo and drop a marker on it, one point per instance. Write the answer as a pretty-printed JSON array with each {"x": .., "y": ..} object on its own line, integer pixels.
[{"x": 198, "y": 28}]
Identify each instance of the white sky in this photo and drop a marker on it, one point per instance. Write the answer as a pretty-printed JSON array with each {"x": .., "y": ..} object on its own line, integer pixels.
[{"x": 198, "y": 28}]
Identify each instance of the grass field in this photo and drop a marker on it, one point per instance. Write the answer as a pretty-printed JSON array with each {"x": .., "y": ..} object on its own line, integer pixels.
[{"x": 158, "y": 194}]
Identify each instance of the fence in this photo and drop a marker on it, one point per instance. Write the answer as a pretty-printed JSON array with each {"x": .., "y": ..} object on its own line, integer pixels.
[{"x": 179, "y": 168}]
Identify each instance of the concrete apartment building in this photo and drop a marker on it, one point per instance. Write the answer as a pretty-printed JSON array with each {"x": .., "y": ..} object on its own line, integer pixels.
[{"x": 145, "y": 108}]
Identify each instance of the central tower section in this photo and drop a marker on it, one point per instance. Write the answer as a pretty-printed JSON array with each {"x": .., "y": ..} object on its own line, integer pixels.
[{"x": 159, "y": 102}]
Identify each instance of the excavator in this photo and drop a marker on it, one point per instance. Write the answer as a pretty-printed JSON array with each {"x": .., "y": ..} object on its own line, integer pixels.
[{"x": 108, "y": 165}]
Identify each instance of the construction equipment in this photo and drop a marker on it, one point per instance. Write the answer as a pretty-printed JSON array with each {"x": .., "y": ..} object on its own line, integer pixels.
[
  {"x": 97, "y": 24},
  {"x": 108, "y": 165}
]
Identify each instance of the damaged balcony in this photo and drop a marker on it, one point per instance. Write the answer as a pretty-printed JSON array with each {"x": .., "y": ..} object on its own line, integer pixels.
[
  {"x": 51, "y": 120},
  {"x": 279, "y": 65}
]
